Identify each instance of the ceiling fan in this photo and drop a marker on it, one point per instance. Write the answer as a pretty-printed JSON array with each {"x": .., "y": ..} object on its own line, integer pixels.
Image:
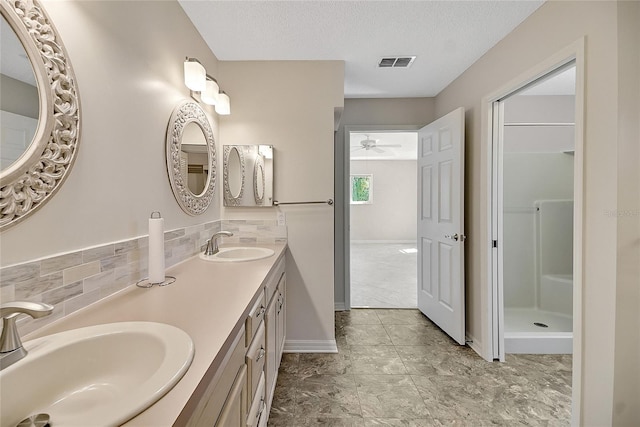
[{"x": 372, "y": 144}]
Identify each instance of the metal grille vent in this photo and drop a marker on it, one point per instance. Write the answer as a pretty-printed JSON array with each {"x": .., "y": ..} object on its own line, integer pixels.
[{"x": 396, "y": 62}]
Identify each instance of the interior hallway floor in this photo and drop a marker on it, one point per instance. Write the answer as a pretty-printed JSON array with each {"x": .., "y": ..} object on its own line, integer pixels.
[
  {"x": 384, "y": 275},
  {"x": 396, "y": 368}
]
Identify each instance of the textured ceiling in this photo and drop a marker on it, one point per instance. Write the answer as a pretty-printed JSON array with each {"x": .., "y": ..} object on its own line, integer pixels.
[{"x": 446, "y": 36}]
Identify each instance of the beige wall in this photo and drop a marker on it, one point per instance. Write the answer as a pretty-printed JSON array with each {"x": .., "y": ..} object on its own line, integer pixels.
[
  {"x": 290, "y": 105},
  {"x": 18, "y": 97},
  {"x": 626, "y": 382},
  {"x": 388, "y": 111},
  {"x": 551, "y": 28},
  {"x": 129, "y": 73},
  {"x": 393, "y": 214},
  {"x": 377, "y": 113}
]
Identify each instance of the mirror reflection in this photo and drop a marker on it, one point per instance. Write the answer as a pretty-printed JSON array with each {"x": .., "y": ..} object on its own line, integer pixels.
[
  {"x": 235, "y": 177},
  {"x": 19, "y": 103},
  {"x": 251, "y": 167},
  {"x": 259, "y": 183},
  {"x": 194, "y": 158}
]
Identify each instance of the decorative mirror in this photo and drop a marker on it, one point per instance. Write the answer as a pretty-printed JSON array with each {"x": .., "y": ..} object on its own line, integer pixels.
[
  {"x": 40, "y": 110},
  {"x": 191, "y": 158},
  {"x": 233, "y": 175},
  {"x": 258, "y": 161},
  {"x": 258, "y": 181}
]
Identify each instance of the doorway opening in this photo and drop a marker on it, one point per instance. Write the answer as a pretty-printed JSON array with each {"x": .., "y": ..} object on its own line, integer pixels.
[
  {"x": 382, "y": 219},
  {"x": 536, "y": 218},
  {"x": 534, "y": 214}
]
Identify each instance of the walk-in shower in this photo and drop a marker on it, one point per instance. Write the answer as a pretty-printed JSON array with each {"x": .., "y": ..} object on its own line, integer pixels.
[{"x": 537, "y": 222}]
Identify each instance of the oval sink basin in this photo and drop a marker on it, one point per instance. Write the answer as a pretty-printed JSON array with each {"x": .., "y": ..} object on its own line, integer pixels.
[
  {"x": 239, "y": 254},
  {"x": 99, "y": 375}
]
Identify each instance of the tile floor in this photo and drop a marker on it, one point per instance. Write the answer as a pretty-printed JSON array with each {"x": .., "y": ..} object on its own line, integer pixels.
[
  {"x": 383, "y": 275},
  {"x": 396, "y": 368}
]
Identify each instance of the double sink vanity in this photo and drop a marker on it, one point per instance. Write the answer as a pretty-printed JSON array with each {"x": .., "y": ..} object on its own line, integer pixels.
[{"x": 203, "y": 351}]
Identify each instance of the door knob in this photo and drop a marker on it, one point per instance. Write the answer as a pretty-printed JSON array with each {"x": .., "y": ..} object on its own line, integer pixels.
[{"x": 456, "y": 237}]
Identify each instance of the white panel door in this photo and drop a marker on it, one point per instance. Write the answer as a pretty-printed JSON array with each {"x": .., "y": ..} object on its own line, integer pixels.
[{"x": 441, "y": 223}]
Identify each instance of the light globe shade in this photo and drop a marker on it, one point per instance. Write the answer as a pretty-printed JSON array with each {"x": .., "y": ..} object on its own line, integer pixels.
[
  {"x": 223, "y": 104},
  {"x": 210, "y": 94},
  {"x": 195, "y": 76}
]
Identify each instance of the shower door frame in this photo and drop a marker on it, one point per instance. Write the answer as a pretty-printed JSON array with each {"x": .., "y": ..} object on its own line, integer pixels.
[{"x": 492, "y": 125}]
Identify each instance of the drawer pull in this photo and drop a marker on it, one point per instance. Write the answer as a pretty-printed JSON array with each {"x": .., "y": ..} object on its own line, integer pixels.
[
  {"x": 261, "y": 354},
  {"x": 261, "y": 311}
]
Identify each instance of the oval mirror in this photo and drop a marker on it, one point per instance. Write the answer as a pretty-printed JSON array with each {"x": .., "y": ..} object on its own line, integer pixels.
[
  {"x": 191, "y": 157},
  {"x": 20, "y": 102},
  {"x": 258, "y": 181},
  {"x": 233, "y": 175},
  {"x": 194, "y": 161},
  {"x": 40, "y": 140}
]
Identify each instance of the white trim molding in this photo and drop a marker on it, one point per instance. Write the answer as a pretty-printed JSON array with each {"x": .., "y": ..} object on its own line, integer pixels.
[{"x": 310, "y": 346}]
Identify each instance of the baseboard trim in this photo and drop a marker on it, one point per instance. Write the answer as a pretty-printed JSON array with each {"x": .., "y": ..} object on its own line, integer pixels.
[
  {"x": 339, "y": 306},
  {"x": 310, "y": 346}
]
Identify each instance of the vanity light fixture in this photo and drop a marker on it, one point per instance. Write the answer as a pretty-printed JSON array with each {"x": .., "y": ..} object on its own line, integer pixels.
[
  {"x": 210, "y": 94},
  {"x": 200, "y": 83},
  {"x": 223, "y": 106},
  {"x": 195, "y": 76}
]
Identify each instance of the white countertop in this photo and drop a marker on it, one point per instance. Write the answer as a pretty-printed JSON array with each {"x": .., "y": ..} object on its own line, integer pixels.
[{"x": 208, "y": 301}]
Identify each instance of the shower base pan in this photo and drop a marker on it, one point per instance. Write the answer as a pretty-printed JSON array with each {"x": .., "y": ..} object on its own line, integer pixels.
[{"x": 523, "y": 336}]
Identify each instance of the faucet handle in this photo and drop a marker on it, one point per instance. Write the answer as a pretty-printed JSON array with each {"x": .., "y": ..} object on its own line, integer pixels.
[
  {"x": 11, "y": 349},
  {"x": 33, "y": 309},
  {"x": 10, "y": 339}
]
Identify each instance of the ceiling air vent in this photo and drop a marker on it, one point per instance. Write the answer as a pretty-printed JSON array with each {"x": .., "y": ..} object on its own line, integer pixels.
[{"x": 396, "y": 62}]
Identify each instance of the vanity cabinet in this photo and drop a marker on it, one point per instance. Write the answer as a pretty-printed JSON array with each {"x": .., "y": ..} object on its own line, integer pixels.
[
  {"x": 241, "y": 389},
  {"x": 225, "y": 395},
  {"x": 281, "y": 325},
  {"x": 233, "y": 411},
  {"x": 275, "y": 323}
]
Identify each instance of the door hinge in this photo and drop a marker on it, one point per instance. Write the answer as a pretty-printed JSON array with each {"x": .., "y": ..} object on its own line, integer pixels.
[{"x": 495, "y": 243}]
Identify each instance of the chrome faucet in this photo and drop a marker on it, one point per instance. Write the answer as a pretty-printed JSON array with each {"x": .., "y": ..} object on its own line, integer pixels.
[
  {"x": 11, "y": 349},
  {"x": 212, "y": 243}
]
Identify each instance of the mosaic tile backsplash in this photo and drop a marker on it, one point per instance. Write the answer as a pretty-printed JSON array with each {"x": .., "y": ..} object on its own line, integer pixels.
[{"x": 74, "y": 280}]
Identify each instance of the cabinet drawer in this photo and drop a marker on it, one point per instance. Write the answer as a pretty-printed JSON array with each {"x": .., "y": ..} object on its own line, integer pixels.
[
  {"x": 258, "y": 414},
  {"x": 256, "y": 356},
  {"x": 255, "y": 318}
]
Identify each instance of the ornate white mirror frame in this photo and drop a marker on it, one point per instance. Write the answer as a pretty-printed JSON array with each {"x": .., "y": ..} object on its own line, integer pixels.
[
  {"x": 33, "y": 179},
  {"x": 258, "y": 181},
  {"x": 229, "y": 198},
  {"x": 189, "y": 112}
]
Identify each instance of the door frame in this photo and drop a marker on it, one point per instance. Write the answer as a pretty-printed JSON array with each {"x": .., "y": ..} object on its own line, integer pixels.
[
  {"x": 492, "y": 294},
  {"x": 343, "y": 216}
]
